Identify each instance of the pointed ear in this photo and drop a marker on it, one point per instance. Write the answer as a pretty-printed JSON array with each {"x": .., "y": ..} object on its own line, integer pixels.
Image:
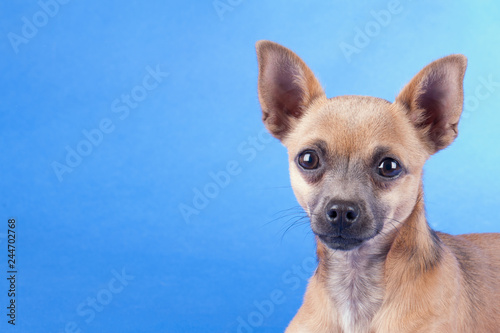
[
  {"x": 286, "y": 87},
  {"x": 434, "y": 100}
]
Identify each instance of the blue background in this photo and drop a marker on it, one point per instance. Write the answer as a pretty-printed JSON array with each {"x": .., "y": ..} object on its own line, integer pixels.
[{"x": 229, "y": 266}]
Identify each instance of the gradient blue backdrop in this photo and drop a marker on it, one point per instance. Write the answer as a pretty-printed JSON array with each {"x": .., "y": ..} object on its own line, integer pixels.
[{"x": 225, "y": 266}]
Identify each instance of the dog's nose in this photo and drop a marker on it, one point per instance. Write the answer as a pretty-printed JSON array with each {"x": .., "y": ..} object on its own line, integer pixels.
[{"x": 342, "y": 214}]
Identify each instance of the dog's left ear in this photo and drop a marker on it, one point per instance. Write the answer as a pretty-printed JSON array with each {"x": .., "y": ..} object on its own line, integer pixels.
[{"x": 434, "y": 100}]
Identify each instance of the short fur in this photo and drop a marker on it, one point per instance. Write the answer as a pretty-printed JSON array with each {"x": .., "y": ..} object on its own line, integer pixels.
[{"x": 403, "y": 276}]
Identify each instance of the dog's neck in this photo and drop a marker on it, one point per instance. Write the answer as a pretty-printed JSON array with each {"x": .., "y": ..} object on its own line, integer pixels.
[
  {"x": 354, "y": 282},
  {"x": 355, "y": 279}
]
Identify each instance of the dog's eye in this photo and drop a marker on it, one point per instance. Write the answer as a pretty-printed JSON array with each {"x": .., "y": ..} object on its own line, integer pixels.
[
  {"x": 309, "y": 159},
  {"x": 389, "y": 168}
]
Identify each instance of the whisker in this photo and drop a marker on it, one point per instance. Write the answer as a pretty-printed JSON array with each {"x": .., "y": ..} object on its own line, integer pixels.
[
  {"x": 298, "y": 208},
  {"x": 298, "y": 222},
  {"x": 284, "y": 216},
  {"x": 392, "y": 220}
]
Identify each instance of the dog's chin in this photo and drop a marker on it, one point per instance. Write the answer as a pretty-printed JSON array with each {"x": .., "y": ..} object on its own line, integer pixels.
[{"x": 341, "y": 243}]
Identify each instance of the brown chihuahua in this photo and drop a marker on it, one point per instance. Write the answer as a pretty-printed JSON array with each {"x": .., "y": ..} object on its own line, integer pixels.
[{"x": 356, "y": 169}]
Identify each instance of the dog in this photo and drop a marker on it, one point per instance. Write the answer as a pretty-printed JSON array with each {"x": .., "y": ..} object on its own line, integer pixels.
[{"x": 356, "y": 169}]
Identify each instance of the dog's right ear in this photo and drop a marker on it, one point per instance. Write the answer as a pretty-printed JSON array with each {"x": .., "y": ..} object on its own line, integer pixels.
[{"x": 286, "y": 87}]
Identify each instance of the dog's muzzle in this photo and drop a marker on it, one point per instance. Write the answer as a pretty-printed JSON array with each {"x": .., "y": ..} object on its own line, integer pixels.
[{"x": 343, "y": 225}]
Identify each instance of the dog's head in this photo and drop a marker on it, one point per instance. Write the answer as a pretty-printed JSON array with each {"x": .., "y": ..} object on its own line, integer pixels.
[{"x": 356, "y": 162}]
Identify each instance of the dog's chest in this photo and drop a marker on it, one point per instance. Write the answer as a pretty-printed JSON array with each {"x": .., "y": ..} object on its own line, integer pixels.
[{"x": 357, "y": 292}]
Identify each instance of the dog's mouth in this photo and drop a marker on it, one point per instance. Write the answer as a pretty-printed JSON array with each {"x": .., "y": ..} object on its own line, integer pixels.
[{"x": 340, "y": 243}]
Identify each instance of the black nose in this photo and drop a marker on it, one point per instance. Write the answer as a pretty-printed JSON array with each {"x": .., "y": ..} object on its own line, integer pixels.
[{"x": 342, "y": 214}]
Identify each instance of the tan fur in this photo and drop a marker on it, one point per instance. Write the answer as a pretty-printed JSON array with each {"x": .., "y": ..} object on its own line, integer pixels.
[{"x": 406, "y": 277}]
